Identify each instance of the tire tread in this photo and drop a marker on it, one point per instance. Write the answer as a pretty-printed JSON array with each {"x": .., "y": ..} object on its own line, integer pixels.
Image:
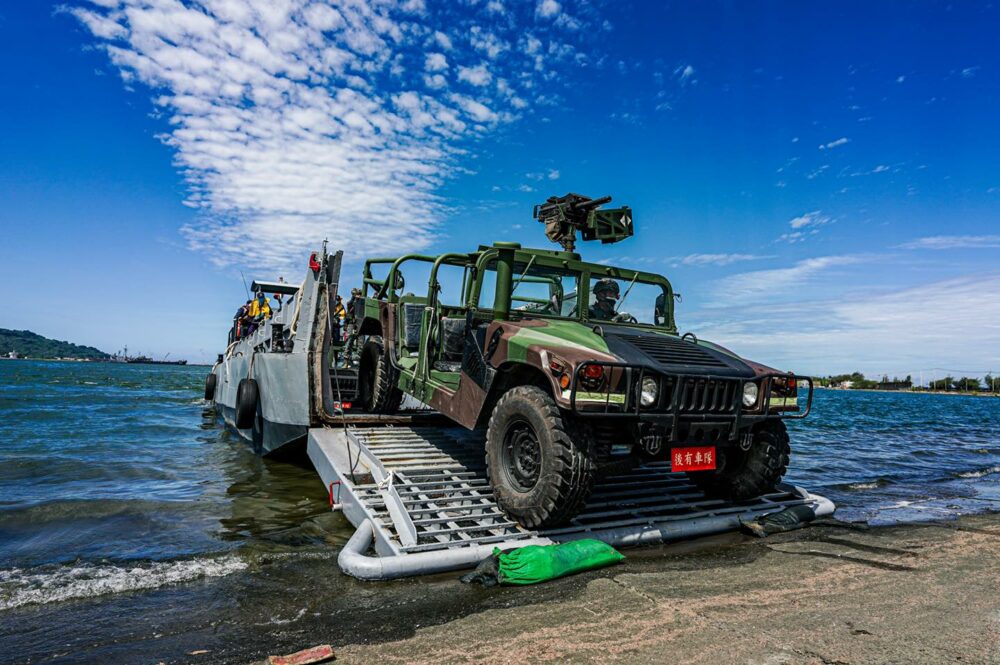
[
  {"x": 759, "y": 471},
  {"x": 574, "y": 458}
]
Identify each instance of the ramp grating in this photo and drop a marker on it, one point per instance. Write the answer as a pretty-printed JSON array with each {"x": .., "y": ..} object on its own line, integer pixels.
[{"x": 429, "y": 492}]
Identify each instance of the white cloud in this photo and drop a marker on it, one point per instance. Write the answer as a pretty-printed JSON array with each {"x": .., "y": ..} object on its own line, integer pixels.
[
  {"x": 900, "y": 79},
  {"x": 435, "y": 82},
  {"x": 684, "y": 73},
  {"x": 435, "y": 62},
  {"x": 805, "y": 226},
  {"x": 476, "y": 110},
  {"x": 478, "y": 75},
  {"x": 99, "y": 25},
  {"x": 895, "y": 332},
  {"x": 443, "y": 40},
  {"x": 295, "y": 121},
  {"x": 814, "y": 218},
  {"x": 954, "y": 242},
  {"x": 818, "y": 172},
  {"x": 793, "y": 237},
  {"x": 548, "y": 8},
  {"x": 843, "y": 140},
  {"x": 969, "y": 72},
  {"x": 551, "y": 174},
  {"x": 881, "y": 168},
  {"x": 717, "y": 259},
  {"x": 761, "y": 285},
  {"x": 487, "y": 42}
]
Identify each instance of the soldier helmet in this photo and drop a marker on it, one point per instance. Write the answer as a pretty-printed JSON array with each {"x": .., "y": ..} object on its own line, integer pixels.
[
  {"x": 355, "y": 292},
  {"x": 606, "y": 289}
]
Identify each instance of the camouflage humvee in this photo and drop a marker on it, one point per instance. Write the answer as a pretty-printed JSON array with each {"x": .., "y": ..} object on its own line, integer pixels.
[{"x": 574, "y": 369}]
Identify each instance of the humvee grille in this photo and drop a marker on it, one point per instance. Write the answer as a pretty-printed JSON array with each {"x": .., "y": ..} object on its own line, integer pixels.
[
  {"x": 703, "y": 395},
  {"x": 673, "y": 351}
]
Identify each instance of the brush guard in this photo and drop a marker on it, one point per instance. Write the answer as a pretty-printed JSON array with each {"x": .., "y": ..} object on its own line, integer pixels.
[{"x": 688, "y": 398}]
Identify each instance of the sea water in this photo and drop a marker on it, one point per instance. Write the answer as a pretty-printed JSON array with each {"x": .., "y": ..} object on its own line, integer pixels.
[{"x": 126, "y": 508}]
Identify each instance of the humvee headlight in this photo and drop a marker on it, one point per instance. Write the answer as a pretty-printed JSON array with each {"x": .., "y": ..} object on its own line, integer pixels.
[
  {"x": 650, "y": 391},
  {"x": 749, "y": 394}
]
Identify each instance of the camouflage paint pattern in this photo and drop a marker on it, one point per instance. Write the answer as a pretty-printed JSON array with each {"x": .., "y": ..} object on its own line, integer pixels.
[{"x": 530, "y": 341}]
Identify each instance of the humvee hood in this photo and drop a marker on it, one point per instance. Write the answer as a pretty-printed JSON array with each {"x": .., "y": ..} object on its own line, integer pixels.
[
  {"x": 670, "y": 353},
  {"x": 556, "y": 335}
]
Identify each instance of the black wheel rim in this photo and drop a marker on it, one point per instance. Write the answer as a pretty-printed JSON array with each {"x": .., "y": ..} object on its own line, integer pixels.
[{"x": 522, "y": 456}]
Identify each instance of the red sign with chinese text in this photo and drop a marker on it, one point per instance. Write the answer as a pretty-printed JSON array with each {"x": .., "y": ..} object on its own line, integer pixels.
[{"x": 692, "y": 459}]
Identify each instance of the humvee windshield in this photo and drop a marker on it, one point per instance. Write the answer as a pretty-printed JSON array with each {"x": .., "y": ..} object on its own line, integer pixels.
[
  {"x": 641, "y": 301},
  {"x": 535, "y": 289},
  {"x": 545, "y": 291}
]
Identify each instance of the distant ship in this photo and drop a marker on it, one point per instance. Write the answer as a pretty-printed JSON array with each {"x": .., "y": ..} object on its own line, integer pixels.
[
  {"x": 146, "y": 360},
  {"x": 123, "y": 357}
]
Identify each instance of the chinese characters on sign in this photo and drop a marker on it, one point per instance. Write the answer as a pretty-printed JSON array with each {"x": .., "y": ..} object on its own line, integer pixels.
[{"x": 693, "y": 459}]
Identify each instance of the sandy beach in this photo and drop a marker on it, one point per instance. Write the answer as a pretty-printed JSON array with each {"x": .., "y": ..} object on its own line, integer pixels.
[{"x": 927, "y": 593}]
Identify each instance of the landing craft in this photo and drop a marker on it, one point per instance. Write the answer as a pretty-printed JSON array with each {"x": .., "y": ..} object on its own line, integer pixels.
[{"x": 291, "y": 372}]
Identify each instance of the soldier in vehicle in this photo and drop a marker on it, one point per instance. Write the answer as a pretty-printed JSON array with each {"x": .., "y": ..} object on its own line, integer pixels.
[
  {"x": 606, "y": 292},
  {"x": 352, "y": 304}
]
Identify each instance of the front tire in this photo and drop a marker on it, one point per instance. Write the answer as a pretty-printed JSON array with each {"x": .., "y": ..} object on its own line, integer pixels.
[
  {"x": 748, "y": 474},
  {"x": 540, "y": 463},
  {"x": 378, "y": 380}
]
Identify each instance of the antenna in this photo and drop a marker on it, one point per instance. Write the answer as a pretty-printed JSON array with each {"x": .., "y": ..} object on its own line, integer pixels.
[{"x": 245, "y": 287}]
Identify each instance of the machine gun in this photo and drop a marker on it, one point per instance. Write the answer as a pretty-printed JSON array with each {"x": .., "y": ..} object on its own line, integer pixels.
[{"x": 563, "y": 216}]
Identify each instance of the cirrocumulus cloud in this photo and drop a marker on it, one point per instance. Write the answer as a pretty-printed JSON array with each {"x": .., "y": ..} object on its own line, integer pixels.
[{"x": 297, "y": 120}]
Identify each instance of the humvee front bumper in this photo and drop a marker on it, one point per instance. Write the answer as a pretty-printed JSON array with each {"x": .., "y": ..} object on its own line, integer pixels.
[{"x": 682, "y": 400}]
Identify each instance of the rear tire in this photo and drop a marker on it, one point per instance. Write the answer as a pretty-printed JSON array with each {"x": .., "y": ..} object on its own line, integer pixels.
[
  {"x": 247, "y": 397},
  {"x": 210, "y": 382},
  {"x": 540, "y": 463},
  {"x": 748, "y": 474},
  {"x": 378, "y": 380}
]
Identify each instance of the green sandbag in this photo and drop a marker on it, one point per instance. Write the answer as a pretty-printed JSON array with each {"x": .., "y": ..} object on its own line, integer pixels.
[{"x": 538, "y": 563}]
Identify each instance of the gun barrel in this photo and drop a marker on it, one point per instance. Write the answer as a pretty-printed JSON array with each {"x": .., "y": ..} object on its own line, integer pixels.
[{"x": 593, "y": 203}]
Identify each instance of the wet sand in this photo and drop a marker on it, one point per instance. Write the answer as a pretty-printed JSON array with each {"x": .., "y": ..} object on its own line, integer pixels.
[
  {"x": 918, "y": 593},
  {"x": 927, "y": 593}
]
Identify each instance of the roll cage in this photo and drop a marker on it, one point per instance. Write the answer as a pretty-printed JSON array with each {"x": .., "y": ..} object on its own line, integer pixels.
[{"x": 477, "y": 264}]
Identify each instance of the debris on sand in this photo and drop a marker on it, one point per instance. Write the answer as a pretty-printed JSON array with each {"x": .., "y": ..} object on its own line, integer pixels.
[{"x": 317, "y": 654}]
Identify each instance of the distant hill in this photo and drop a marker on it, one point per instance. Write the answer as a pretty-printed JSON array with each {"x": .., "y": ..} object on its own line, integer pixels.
[{"x": 30, "y": 345}]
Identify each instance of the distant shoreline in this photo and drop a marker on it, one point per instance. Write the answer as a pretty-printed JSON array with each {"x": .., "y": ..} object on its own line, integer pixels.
[
  {"x": 912, "y": 392},
  {"x": 101, "y": 361}
]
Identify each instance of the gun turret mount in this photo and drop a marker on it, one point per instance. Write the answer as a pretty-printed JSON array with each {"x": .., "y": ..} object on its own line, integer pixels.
[{"x": 563, "y": 216}]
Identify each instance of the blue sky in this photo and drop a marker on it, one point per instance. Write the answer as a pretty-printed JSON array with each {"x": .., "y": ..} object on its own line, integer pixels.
[{"x": 819, "y": 180}]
